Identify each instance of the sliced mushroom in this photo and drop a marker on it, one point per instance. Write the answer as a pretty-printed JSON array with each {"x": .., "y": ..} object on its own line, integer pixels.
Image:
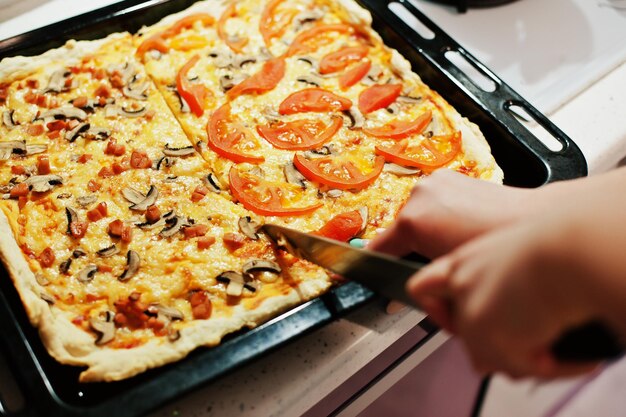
[
  {"x": 96, "y": 133},
  {"x": 307, "y": 16},
  {"x": 173, "y": 334},
  {"x": 271, "y": 114},
  {"x": 184, "y": 151},
  {"x": 393, "y": 108},
  {"x": 228, "y": 81},
  {"x": 7, "y": 119},
  {"x": 212, "y": 182},
  {"x": 174, "y": 225},
  {"x": 184, "y": 106},
  {"x": 409, "y": 99},
  {"x": 133, "y": 195},
  {"x": 86, "y": 200},
  {"x": 112, "y": 110},
  {"x": 221, "y": 58},
  {"x": 309, "y": 60},
  {"x": 56, "y": 83},
  {"x": 67, "y": 112},
  {"x": 355, "y": 118},
  {"x": 64, "y": 267},
  {"x": 294, "y": 176},
  {"x": 249, "y": 227},
  {"x": 170, "y": 312},
  {"x": 108, "y": 251},
  {"x": 399, "y": 169},
  {"x": 47, "y": 298},
  {"x": 11, "y": 146},
  {"x": 72, "y": 217},
  {"x": 136, "y": 90},
  {"x": 78, "y": 252},
  {"x": 364, "y": 212},
  {"x": 87, "y": 273},
  {"x": 150, "y": 199},
  {"x": 35, "y": 148},
  {"x": 41, "y": 279},
  {"x": 334, "y": 193},
  {"x": 324, "y": 151},
  {"x": 162, "y": 221},
  {"x": 235, "y": 283},
  {"x": 164, "y": 161},
  {"x": 242, "y": 60},
  {"x": 71, "y": 135},
  {"x": 373, "y": 76},
  {"x": 261, "y": 265},
  {"x": 104, "y": 326},
  {"x": 43, "y": 183},
  {"x": 310, "y": 79},
  {"x": 132, "y": 266}
]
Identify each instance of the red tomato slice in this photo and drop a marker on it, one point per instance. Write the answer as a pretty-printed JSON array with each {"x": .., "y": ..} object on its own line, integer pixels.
[
  {"x": 338, "y": 172},
  {"x": 263, "y": 81},
  {"x": 274, "y": 24},
  {"x": 339, "y": 60},
  {"x": 264, "y": 197},
  {"x": 316, "y": 36},
  {"x": 315, "y": 100},
  {"x": 235, "y": 44},
  {"x": 354, "y": 75},
  {"x": 342, "y": 227},
  {"x": 299, "y": 135},
  {"x": 378, "y": 97},
  {"x": 230, "y": 139},
  {"x": 194, "y": 94},
  {"x": 400, "y": 129},
  {"x": 157, "y": 41},
  {"x": 430, "y": 154}
]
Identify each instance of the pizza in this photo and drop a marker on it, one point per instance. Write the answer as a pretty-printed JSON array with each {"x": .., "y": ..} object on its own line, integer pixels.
[{"x": 136, "y": 171}]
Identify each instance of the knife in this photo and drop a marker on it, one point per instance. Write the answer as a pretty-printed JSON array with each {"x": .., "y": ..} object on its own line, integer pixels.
[{"x": 387, "y": 276}]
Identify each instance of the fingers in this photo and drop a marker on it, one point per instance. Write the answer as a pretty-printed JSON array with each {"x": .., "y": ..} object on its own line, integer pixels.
[{"x": 429, "y": 288}]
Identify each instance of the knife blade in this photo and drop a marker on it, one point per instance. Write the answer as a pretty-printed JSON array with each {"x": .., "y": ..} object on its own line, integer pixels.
[{"x": 383, "y": 274}]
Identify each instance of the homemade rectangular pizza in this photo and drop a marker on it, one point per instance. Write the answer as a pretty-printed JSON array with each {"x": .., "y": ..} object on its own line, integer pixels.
[{"x": 136, "y": 170}]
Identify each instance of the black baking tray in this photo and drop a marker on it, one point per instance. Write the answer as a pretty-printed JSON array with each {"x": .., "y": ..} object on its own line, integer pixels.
[{"x": 52, "y": 389}]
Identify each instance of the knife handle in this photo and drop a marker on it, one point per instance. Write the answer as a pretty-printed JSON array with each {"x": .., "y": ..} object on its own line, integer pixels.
[{"x": 591, "y": 342}]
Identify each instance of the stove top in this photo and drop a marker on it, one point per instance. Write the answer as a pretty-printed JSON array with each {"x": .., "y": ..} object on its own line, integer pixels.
[{"x": 549, "y": 51}]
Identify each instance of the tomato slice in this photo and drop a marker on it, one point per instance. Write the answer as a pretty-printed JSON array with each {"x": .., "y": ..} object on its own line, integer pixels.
[
  {"x": 299, "y": 135},
  {"x": 342, "y": 227},
  {"x": 338, "y": 172},
  {"x": 231, "y": 139},
  {"x": 315, "y": 100},
  {"x": 236, "y": 44},
  {"x": 339, "y": 60},
  {"x": 264, "y": 197},
  {"x": 378, "y": 97},
  {"x": 430, "y": 154},
  {"x": 194, "y": 94},
  {"x": 263, "y": 81},
  {"x": 274, "y": 24},
  {"x": 354, "y": 75},
  {"x": 316, "y": 36},
  {"x": 157, "y": 41},
  {"x": 400, "y": 129}
]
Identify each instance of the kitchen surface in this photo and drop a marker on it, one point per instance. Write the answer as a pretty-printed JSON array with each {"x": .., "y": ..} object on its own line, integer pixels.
[{"x": 568, "y": 58}]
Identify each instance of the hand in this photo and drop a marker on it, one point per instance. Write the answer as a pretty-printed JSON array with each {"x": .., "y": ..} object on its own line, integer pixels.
[{"x": 448, "y": 209}]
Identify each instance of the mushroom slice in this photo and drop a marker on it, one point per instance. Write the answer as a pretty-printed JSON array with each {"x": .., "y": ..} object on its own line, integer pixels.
[
  {"x": 86, "y": 200},
  {"x": 149, "y": 200},
  {"x": 222, "y": 58},
  {"x": 47, "y": 298},
  {"x": 11, "y": 146},
  {"x": 212, "y": 182},
  {"x": 235, "y": 283},
  {"x": 184, "y": 151},
  {"x": 355, "y": 118},
  {"x": 309, "y": 60},
  {"x": 334, "y": 193},
  {"x": 64, "y": 267},
  {"x": 132, "y": 113},
  {"x": 56, "y": 83},
  {"x": 43, "y": 183},
  {"x": 108, "y": 251},
  {"x": 174, "y": 225},
  {"x": 184, "y": 106},
  {"x": 307, "y": 16},
  {"x": 71, "y": 135},
  {"x": 311, "y": 79},
  {"x": 87, "y": 273},
  {"x": 133, "y": 195},
  {"x": 241, "y": 60},
  {"x": 104, "y": 326},
  {"x": 41, "y": 279},
  {"x": 324, "y": 151},
  {"x": 36, "y": 148},
  {"x": 364, "y": 212},
  {"x": 66, "y": 112},
  {"x": 132, "y": 266},
  {"x": 137, "y": 91},
  {"x": 78, "y": 252},
  {"x": 249, "y": 227},
  {"x": 72, "y": 217},
  {"x": 228, "y": 81},
  {"x": 170, "y": 312},
  {"x": 164, "y": 161},
  {"x": 173, "y": 334},
  {"x": 7, "y": 119},
  {"x": 96, "y": 133},
  {"x": 261, "y": 265},
  {"x": 294, "y": 176},
  {"x": 399, "y": 169},
  {"x": 408, "y": 99}
]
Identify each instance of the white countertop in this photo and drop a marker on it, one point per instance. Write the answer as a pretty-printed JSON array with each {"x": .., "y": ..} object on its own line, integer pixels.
[{"x": 293, "y": 379}]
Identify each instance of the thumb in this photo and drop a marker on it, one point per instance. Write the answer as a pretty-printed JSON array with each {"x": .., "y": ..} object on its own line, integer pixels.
[{"x": 429, "y": 288}]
